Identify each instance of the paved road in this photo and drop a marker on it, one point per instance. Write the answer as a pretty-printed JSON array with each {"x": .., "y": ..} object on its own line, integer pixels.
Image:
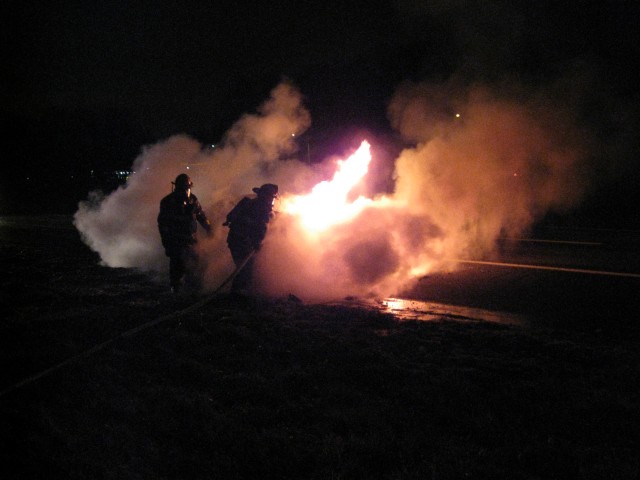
[{"x": 578, "y": 279}]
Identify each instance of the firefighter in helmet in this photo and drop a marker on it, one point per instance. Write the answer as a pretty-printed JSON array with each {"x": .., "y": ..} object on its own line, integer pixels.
[
  {"x": 247, "y": 223},
  {"x": 180, "y": 213}
]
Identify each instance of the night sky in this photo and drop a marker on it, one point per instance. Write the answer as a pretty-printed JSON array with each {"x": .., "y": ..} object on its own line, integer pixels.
[{"x": 86, "y": 84}]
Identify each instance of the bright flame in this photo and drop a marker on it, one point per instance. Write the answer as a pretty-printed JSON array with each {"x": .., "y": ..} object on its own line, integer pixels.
[{"x": 327, "y": 203}]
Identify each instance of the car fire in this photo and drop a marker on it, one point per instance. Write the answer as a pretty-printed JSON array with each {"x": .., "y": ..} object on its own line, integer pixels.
[{"x": 327, "y": 204}]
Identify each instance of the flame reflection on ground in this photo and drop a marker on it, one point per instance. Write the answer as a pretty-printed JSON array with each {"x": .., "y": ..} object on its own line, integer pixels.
[{"x": 405, "y": 309}]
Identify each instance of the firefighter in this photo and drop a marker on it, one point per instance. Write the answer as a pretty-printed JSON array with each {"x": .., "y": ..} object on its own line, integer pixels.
[
  {"x": 247, "y": 223},
  {"x": 180, "y": 213}
]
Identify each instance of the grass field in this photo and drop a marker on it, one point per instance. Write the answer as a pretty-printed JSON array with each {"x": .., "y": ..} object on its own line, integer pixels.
[{"x": 275, "y": 388}]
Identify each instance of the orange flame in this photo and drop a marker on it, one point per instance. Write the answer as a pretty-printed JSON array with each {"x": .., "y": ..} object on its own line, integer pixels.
[{"x": 327, "y": 203}]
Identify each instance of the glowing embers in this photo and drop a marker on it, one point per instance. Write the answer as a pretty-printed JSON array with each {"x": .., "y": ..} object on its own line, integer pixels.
[{"x": 327, "y": 203}]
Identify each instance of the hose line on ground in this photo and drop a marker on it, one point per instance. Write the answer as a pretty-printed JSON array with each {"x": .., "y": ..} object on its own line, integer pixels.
[{"x": 129, "y": 333}]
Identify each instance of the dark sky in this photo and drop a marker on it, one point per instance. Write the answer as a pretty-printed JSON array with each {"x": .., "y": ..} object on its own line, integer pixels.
[
  {"x": 195, "y": 66},
  {"x": 177, "y": 67},
  {"x": 98, "y": 76}
]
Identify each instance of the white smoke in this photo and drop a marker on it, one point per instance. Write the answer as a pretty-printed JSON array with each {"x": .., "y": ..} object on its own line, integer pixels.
[
  {"x": 480, "y": 166},
  {"x": 122, "y": 226}
]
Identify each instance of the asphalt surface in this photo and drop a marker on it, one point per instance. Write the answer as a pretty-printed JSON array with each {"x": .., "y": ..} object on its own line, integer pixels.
[{"x": 563, "y": 278}]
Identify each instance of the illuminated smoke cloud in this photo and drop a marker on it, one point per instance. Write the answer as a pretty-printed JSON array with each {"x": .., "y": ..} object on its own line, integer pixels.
[
  {"x": 122, "y": 226},
  {"x": 479, "y": 166},
  {"x": 482, "y": 166},
  {"x": 485, "y": 165}
]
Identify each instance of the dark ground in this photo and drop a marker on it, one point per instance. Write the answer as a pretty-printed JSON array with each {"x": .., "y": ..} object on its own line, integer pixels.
[{"x": 280, "y": 389}]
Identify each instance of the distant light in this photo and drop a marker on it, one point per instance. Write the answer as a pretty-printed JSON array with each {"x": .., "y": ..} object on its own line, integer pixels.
[
  {"x": 122, "y": 174},
  {"x": 293, "y": 134},
  {"x": 457, "y": 115},
  {"x": 187, "y": 167},
  {"x": 213, "y": 145}
]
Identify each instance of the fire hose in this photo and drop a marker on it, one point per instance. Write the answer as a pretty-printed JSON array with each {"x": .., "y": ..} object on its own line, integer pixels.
[
  {"x": 234, "y": 274},
  {"x": 129, "y": 333}
]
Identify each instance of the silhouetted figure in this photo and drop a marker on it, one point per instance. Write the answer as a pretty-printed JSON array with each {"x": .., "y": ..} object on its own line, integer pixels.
[
  {"x": 180, "y": 213},
  {"x": 247, "y": 224}
]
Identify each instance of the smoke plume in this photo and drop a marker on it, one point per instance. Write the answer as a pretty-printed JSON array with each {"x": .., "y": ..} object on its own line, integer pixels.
[
  {"x": 122, "y": 226},
  {"x": 477, "y": 165}
]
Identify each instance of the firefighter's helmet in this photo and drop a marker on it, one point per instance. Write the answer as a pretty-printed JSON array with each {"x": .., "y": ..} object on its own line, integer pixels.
[
  {"x": 183, "y": 182},
  {"x": 267, "y": 190}
]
